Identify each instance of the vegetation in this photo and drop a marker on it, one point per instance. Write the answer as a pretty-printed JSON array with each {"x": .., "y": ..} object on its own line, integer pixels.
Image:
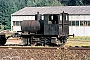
[
  {"x": 85, "y": 38},
  {"x": 78, "y": 41},
  {"x": 7, "y": 7}
]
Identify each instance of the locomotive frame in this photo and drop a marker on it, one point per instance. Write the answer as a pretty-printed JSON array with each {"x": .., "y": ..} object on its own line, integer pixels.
[{"x": 53, "y": 31}]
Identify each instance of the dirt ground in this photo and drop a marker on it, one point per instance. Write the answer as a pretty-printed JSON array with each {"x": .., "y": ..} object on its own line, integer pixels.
[
  {"x": 14, "y": 41},
  {"x": 68, "y": 43}
]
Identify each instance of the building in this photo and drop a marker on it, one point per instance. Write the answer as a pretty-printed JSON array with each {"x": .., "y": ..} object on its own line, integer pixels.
[{"x": 79, "y": 17}]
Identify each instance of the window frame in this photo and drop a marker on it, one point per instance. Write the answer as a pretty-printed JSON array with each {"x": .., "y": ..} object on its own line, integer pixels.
[
  {"x": 75, "y": 24},
  {"x": 17, "y": 23}
]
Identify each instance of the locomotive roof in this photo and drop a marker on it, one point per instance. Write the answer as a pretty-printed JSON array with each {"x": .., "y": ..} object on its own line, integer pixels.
[{"x": 53, "y": 10}]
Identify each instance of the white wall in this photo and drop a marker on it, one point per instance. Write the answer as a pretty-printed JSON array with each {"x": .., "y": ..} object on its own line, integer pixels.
[
  {"x": 79, "y": 30},
  {"x": 79, "y": 17},
  {"x": 19, "y": 18}
]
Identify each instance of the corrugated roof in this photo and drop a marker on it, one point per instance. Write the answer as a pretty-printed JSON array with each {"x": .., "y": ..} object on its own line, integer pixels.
[{"x": 54, "y": 10}]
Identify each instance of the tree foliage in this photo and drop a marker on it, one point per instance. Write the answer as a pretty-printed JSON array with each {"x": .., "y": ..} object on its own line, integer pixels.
[
  {"x": 38, "y": 3},
  {"x": 7, "y": 7}
]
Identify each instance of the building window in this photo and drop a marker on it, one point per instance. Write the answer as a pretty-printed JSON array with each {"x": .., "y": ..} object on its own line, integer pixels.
[
  {"x": 77, "y": 23},
  {"x": 17, "y": 23},
  {"x": 70, "y": 23},
  {"x": 83, "y": 23},
  {"x": 13, "y": 23},
  {"x": 20, "y": 23},
  {"x": 53, "y": 19},
  {"x": 88, "y": 23},
  {"x": 73, "y": 23}
]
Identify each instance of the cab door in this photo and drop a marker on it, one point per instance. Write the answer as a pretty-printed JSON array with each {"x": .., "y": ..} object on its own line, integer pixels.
[
  {"x": 64, "y": 24},
  {"x": 51, "y": 26}
]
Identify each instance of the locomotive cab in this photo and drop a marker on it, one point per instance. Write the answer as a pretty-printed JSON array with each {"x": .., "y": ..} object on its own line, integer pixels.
[
  {"x": 51, "y": 24},
  {"x": 56, "y": 24}
]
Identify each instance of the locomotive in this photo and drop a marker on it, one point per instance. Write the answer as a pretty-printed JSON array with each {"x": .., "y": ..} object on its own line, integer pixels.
[{"x": 52, "y": 30}]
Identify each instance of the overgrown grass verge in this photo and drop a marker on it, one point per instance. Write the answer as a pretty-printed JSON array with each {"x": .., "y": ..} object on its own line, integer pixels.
[
  {"x": 79, "y": 38},
  {"x": 78, "y": 41}
]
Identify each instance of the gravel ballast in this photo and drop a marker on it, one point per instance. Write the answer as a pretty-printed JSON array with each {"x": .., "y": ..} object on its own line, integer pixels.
[{"x": 43, "y": 54}]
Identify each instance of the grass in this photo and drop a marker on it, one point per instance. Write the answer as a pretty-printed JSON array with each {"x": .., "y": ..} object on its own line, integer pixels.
[
  {"x": 79, "y": 38},
  {"x": 78, "y": 41},
  {"x": 8, "y": 34},
  {"x": 77, "y": 44}
]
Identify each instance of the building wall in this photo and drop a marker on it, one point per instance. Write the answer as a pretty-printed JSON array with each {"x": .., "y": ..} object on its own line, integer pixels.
[
  {"x": 80, "y": 31},
  {"x": 16, "y": 21},
  {"x": 79, "y": 24}
]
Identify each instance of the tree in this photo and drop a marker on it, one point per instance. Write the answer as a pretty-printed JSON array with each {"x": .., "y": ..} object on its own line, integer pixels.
[
  {"x": 7, "y": 7},
  {"x": 30, "y": 3},
  {"x": 86, "y": 2},
  {"x": 71, "y": 2},
  {"x": 40, "y": 3},
  {"x": 53, "y": 3},
  {"x": 75, "y": 3},
  {"x": 79, "y": 2}
]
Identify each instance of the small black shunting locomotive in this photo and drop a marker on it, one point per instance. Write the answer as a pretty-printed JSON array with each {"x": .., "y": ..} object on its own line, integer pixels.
[{"x": 52, "y": 30}]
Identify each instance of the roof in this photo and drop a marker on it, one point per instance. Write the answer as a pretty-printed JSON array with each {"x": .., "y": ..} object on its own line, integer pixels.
[{"x": 54, "y": 10}]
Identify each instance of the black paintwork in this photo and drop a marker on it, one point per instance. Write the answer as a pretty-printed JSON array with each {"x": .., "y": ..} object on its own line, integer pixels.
[{"x": 52, "y": 26}]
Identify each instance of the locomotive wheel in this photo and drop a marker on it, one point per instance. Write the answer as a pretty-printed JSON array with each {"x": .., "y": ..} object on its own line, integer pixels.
[
  {"x": 25, "y": 41},
  {"x": 63, "y": 41}
]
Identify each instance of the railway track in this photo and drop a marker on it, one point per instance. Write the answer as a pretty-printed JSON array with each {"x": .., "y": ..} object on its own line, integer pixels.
[
  {"x": 79, "y": 48},
  {"x": 15, "y": 46},
  {"x": 78, "y": 40}
]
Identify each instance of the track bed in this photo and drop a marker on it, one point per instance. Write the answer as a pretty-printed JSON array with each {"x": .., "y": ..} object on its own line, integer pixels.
[{"x": 44, "y": 53}]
